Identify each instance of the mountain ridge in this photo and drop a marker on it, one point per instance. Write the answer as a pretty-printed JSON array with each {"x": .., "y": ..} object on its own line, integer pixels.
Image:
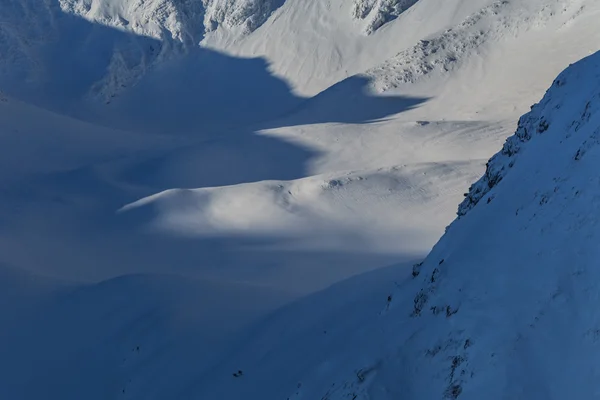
[{"x": 224, "y": 199}]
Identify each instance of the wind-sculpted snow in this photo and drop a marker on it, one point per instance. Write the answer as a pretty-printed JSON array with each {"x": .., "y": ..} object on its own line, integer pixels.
[{"x": 378, "y": 12}]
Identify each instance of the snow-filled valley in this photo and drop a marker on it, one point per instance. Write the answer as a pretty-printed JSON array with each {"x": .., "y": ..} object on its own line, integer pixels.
[{"x": 241, "y": 199}]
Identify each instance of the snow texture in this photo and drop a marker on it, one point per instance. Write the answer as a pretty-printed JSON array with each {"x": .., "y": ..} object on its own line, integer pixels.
[
  {"x": 378, "y": 12},
  {"x": 508, "y": 324},
  {"x": 443, "y": 52},
  {"x": 236, "y": 199},
  {"x": 473, "y": 320},
  {"x": 248, "y": 14},
  {"x": 538, "y": 121}
]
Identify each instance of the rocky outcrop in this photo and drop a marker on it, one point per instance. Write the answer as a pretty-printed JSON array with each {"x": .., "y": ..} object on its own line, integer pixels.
[{"x": 378, "y": 12}]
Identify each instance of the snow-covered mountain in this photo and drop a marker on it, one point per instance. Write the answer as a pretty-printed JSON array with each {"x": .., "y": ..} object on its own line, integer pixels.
[
  {"x": 504, "y": 298},
  {"x": 183, "y": 20},
  {"x": 507, "y": 290},
  {"x": 501, "y": 308},
  {"x": 309, "y": 46},
  {"x": 224, "y": 199},
  {"x": 108, "y": 45}
]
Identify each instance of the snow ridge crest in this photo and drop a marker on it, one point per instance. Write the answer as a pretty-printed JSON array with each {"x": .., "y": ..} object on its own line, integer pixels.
[{"x": 561, "y": 98}]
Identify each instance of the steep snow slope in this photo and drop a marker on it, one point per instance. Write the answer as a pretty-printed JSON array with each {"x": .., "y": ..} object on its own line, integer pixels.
[
  {"x": 502, "y": 307},
  {"x": 308, "y": 45},
  {"x": 511, "y": 48},
  {"x": 42, "y": 42},
  {"x": 313, "y": 44},
  {"x": 252, "y": 196},
  {"x": 512, "y": 280},
  {"x": 111, "y": 45}
]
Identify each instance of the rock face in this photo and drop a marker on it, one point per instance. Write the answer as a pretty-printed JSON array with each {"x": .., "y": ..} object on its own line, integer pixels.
[
  {"x": 378, "y": 12},
  {"x": 183, "y": 20},
  {"x": 230, "y": 14}
]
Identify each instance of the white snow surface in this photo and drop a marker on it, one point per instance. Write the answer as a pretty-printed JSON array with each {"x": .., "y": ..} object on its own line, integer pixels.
[
  {"x": 507, "y": 289},
  {"x": 500, "y": 308},
  {"x": 225, "y": 199}
]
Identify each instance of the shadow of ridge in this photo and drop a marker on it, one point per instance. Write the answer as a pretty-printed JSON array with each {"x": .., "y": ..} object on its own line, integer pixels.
[
  {"x": 88, "y": 329},
  {"x": 53, "y": 58},
  {"x": 310, "y": 323},
  {"x": 203, "y": 94},
  {"x": 200, "y": 92},
  {"x": 207, "y": 92},
  {"x": 348, "y": 101},
  {"x": 116, "y": 78},
  {"x": 56, "y": 60}
]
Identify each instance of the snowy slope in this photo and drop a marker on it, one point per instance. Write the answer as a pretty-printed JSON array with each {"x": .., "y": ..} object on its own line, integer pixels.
[
  {"x": 513, "y": 278},
  {"x": 192, "y": 200},
  {"x": 509, "y": 48},
  {"x": 308, "y": 46},
  {"x": 502, "y": 307},
  {"x": 313, "y": 45},
  {"x": 61, "y": 50}
]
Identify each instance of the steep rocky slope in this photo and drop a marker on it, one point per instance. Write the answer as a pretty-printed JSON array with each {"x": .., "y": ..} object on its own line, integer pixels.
[
  {"x": 377, "y": 12},
  {"x": 504, "y": 307},
  {"x": 183, "y": 20},
  {"x": 505, "y": 295}
]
